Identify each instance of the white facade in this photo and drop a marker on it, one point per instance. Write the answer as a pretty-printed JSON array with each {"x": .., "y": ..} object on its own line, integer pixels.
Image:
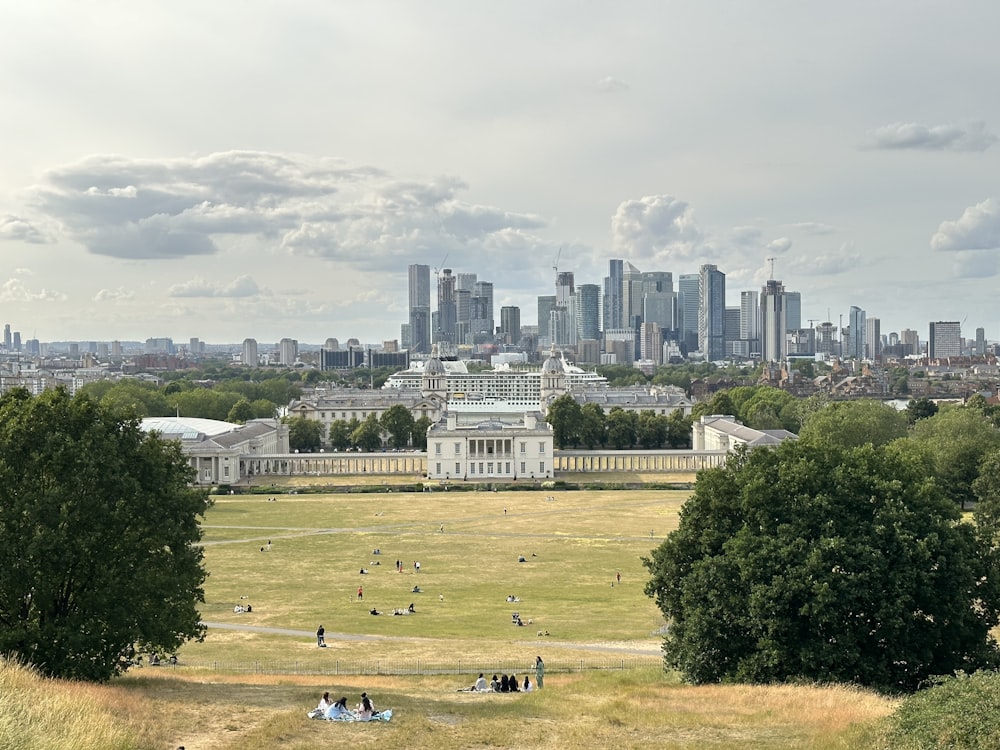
[
  {"x": 469, "y": 446},
  {"x": 721, "y": 432}
]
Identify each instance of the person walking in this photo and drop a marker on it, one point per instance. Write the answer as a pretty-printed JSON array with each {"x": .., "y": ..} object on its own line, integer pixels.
[
  {"x": 361, "y": 593},
  {"x": 539, "y": 672},
  {"x": 320, "y": 637}
]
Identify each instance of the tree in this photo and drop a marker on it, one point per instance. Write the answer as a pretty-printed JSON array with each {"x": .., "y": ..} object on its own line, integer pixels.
[
  {"x": 828, "y": 564},
  {"x": 847, "y": 424},
  {"x": 397, "y": 420},
  {"x": 99, "y": 553},
  {"x": 368, "y": 435},
  {"x": 623, "y": 428},
  {"x": 420, "y": 428},
  {"x": 651, "y": 430},
  {"x": 678, "y": 430},
  {"x": 920, "y": 408},
  {"x": 565, "y": 416},
  {"x": 592, "y": 425},
  {"x": 955, "y": 441},
  {"x": 340, "y": 435},
  {"x": 305, "y": 435},
  {"x": 241, "y": 412}
]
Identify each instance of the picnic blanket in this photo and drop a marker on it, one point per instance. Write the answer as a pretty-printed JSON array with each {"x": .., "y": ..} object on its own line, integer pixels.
[{"x": 384, "y": 715}]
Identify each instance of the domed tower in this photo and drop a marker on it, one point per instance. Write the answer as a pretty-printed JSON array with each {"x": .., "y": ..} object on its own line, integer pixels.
[
  {"x": 553, "y": 380},
  {"x": 435, "y": 380}
]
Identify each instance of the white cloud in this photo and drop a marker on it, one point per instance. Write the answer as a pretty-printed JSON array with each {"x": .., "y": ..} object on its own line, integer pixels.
[
  {"x": 845, "y": 259},
  {"x": 121, "y": 294},
  {"x": 14, "y": 290},
  {"x": 242, "y": 286},
  {"x": 779, "y": 246},
  {"x": 610, "y": 84},
  {"x": 656, "y": 228},
  {"x": 813, "y": 227},
  {"x": 18, "y": 228},
  {"x": 978, "y": 228},
  {"x": 913, "y": 135},
  {"x": 976, "y": 264}
]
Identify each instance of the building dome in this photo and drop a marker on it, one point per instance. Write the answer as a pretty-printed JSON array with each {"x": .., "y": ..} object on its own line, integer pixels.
[
  {"x": 553, "y": 364},
  {"x": 434, "y": 367}
]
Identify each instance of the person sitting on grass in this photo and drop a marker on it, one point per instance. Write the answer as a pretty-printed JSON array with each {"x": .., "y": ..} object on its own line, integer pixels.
[
  {"x": 374, "y": 611},
  {"x": 366, "y": 709},
  {"x": 480, "y": 686},
  {"x": 513, "y": 684},
  {"x": 338, "y": 709},
  {"x": 495, "y": 684},
  {"x": 504, "y": 684}
]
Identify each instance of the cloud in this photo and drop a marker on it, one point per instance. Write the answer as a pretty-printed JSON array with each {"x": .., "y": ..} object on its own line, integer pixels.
[
  {"x": 779, "y": 246},
  {"x": 610, "y": 84},
  {"x": 976, "y": 264},
  {"x": 813, "y": 227},
  {"x": 846, "y": 258},
  {"x": 242, "y": 286},
  {"x": 913, "y": 135},
  {"x": 303, "y": 205},
  {"x": 18, "y": 228},
  {"x": 14, "y": 290},
  {"x": 121, "y": 294},
  {"x": 659, "y": 228},
  {"x": 978, "y": 228}
]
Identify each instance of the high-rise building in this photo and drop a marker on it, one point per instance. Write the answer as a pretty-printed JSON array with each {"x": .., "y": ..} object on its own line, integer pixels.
[
  {"x": 631, "y": 297},
  {"x": 420, "y": 308},
  {"x": 731, "y": 332},
  {"x": 7, "y": 342},
  {"x": 481, "y": 321},
  {"x": 688, "y": 303},
  {"x": 288, "y": 351},
  {"x": 711, "y": 312},
  {"x": 510, "y": 324},
  {"x": 250, "y": 358},
  {"x": 17, "y": 340},
  {"x": 546, "y": 304},
  {"x": 945, "y": 339},
  {"x": 856, "y": 334},
  {"x": 793, "y": 311},
  {"x": 750, "y": 322},
  {"x": 873, "y": 339},
  {"x": 447, "y": 313},
  {"x": 980, "y": 341},
  {"x": 773, "y": 321},
  {"x": 588, "y": 311},
  {"x": 826, "y": 340},
  {"x": 651, "y": 343},
  {"x": 910, "y": 341},
  {"x": 613, "y": 295}
]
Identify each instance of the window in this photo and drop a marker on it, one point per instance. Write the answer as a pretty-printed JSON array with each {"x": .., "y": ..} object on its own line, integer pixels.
[
  {"x": 437, "y": 449},
  {"x": 225, "y": 472},
  {"x": 507, "y": 468},
  {"x": 541, "y": 467},
  {"x": 458, "y": 449},
  {"x": 472, "y": 468},
  {"x": 541, "y": 449},
  {"x": 522, "y": 467},
  {"x": 438, "y": 472},
  {"x": 524, "y": 447},
  {"x": 489, "y": 468},
  {"x": 480, "y": 467},
  {"x": 458, "y": 468}
]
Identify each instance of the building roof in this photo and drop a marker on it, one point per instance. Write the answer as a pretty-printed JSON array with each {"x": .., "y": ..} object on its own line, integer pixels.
[{"x": 187, "y": 428}]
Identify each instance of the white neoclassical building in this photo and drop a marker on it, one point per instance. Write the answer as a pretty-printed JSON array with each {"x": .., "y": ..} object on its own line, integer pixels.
[
  {"x": 722, "y": 432},
  {"x": 484, "y": 444},
  {"x": 219, "y": 452}
]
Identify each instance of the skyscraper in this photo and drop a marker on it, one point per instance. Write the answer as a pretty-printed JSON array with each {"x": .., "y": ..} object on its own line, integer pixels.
[
  {"x": 793, "y": 311},
  {"x": 750, "y": 321},
  {"x": 546, "y": 304},
  {"x": 773, "y": 321},
  {"x": 688, "y": 304},
  {"x": 510, "y": 324},
  {"x": 420, "y": 308},
  {"x": 712, "y": 312},
  {"x": 856, "y": 334},
  {"x": 945, "y": 339},
  {"x": 613, "y": 295},
  {"x": 873, "y": 339},
  {"x": 447, "y": 312},
  {"x": 588, "y": 311},
  {"x": 250, "y": 353}
]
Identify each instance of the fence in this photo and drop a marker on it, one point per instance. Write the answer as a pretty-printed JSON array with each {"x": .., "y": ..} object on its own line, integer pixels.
[{"x": 419, "y": 667}]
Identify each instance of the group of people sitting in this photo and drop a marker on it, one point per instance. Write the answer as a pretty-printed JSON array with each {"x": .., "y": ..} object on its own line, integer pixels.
[
  {"x": 239, "y": 608},
  {"x": 501, "y": 684},
  {"x": 515, "y": 619},
  {"x": 408, "y": 611},
  {"x": 512, "y": 598},
  {"x": 338, "y": 710}
]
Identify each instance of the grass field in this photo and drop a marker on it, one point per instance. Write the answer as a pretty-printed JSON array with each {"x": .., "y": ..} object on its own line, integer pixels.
[{"x": 250, "y": 683}]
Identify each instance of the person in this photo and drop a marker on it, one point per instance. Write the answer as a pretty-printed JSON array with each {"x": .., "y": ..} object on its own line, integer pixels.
[
  {"x": 527, "y": 685},
  {"x": 504, "y": 684},
  {"x": 320, "y": 637},
  {"x": 249, "y": 608},
  {"x": 416, "y": 590},
  {"x": 618, "y": 575},
  {"x": 417, "y": 564},
  {"x": 324, "y": 702},
  {"x": 361, "y": 593},
  {"x": 495, "y": 684},
  {"x": 238, "y": 609},
  {"x": 366, "y": 709},
  {"x": 480, "y": 686},
  {"x": 411, "y": 609},
  {"x": 539, "y": 671},
  {"x": 513, "y": 684},
  {"x": 374, "y": 611},
  {"x": 338, "y": 709}
]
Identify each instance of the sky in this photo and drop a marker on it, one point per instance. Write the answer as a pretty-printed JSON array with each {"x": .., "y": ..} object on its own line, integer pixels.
[{"x": 225, "y": 170}]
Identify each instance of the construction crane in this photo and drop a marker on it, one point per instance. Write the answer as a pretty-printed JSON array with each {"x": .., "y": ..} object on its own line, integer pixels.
[
  {"x": 771, "y": 261},
  {"x": 437, "y": 271},
  {"x": 555, "y": 263}
]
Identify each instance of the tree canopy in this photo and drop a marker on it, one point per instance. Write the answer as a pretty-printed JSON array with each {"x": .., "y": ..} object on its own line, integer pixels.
[
  {"x": 818, "y": 562},
  {"x": 846, "y": 424},
  {"x": 304, "y": 434},
  {"x": 99, "y": 555}
]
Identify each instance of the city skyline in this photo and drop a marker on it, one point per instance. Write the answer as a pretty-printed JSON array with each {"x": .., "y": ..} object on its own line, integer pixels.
[{"x": 278, "y": 178}]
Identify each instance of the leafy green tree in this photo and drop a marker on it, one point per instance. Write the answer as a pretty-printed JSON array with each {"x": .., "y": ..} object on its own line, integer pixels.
[
  {"x": 264, "y": 409},
  {"x": 920, "y": 408},
  {"x": 99, "y": 537},
  {"x": 955, "y": 441},
  {"x": 340, "y": 435},
  {"x": 828, "y": 564},
  {"x": 565, "y": 415},
  {"x": 368, "y": 435},
  {"x": 623, "y": 428},
  {"x": 986, "y": 488},
  {"x": 651, "y": 430},
  {"x": 592, "y": 425},
  {"x": 241, "y": 412},
  {"x": 205, "y": 403},
  {"x": 130, "y": 396},
  {"x": 678, "y": 430},
  {"x": 720, "y": 403},
  {"x": 420, "y": 428},
  {"x": 761, "y": 411},
  {"x": 305, "y": 435},
  {"x": 397, "y": 420},
  {"x": 846, "y": 424}
]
